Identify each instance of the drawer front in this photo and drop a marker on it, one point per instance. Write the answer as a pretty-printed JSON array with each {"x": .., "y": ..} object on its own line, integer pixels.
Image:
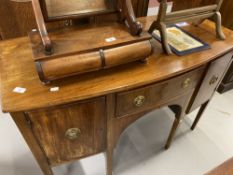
[
  {"x": 212, "y": 79},
  {"x": 145, "y": 98},
  {"x": 70, "y": 132}
]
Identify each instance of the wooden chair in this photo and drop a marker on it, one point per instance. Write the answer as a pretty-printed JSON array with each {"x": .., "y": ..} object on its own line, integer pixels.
[{"x": 197, "y": 15}]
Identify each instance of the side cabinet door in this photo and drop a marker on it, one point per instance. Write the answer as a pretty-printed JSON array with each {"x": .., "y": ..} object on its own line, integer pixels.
[
  {"x": 72, "y": 131},
  {"x": 213, "y": 77}
]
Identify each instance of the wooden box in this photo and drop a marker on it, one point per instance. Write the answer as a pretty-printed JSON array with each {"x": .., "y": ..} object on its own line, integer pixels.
[
  {"x": 75, "y": 51},
  {"x": 89, "y": 48}
]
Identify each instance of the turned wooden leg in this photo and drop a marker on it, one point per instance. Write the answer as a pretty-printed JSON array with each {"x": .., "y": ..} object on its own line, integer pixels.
[
  {"x": 164, "y": 38},
  {"x": 162, "y": 28},
  {"x": 21, "y": 122},
  {"x": 218, "y": 23},
  {"x": 200, "y": 112}
]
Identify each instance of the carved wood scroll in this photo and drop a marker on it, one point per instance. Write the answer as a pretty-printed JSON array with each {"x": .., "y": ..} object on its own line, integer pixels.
[{"x": 195, "y": 14}]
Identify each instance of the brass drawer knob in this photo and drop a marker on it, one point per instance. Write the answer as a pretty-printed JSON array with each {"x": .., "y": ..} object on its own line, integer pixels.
[
  {"x": 73, "y": 133},
  {"x": 139, "y": 100},
  {"x": 186, "y": 83},
  {"x": 213, "y": 80}
]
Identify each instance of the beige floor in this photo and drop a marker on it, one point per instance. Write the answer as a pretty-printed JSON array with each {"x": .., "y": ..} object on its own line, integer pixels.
[{"x": 140, "y": 149}]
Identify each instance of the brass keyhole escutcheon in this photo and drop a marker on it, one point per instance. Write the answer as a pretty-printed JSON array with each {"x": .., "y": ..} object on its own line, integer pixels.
[
  {"x": 139, "y": 100},
  {"x": 73, "y": 133},
  {"x": 186, "y": 83},
  {"x": 213, "y": 80}
]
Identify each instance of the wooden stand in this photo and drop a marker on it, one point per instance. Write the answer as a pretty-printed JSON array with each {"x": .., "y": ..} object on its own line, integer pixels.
[
  {"x": 197, "y": 15},
  {"x": 123, "y": 7},
  {"x": 90, "y": 48},
  {"x": 78, "y": 50}
]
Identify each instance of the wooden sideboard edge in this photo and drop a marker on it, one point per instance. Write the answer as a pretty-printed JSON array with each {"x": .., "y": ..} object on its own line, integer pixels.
[
  {"x": 117, "y": 90},
  {"x": 114, "y": 90},
  {"x": 83, "y": 99}
]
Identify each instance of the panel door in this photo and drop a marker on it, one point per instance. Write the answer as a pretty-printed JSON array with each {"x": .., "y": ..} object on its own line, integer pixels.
[
  {"x": 214, "y": 75},
  {"x": 72, "y": 131}
]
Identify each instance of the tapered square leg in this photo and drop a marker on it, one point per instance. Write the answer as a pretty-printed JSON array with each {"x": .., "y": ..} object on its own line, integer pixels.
[
  {"x": 200, "y": 112},
  {"x": 172, "y": 132},
  {"x": 109, "y": 161}
]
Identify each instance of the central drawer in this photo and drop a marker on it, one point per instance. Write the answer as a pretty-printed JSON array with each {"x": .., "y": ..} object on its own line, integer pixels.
[{"x": 145, "y": 98}]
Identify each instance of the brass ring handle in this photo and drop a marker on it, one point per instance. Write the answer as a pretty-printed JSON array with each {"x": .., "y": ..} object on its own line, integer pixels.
[
  {"x": 186, "y": 83},
  {"x": 73, "y": 133},
  {"x": 139, "y": 100},
  {"x": 213, "y": 80}
]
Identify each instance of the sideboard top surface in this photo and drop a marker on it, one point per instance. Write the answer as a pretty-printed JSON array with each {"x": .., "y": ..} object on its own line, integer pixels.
[{"x": 18, "y": 70}]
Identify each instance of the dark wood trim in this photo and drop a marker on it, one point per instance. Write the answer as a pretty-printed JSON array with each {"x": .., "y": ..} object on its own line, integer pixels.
[{"x": 40, "y": 72}]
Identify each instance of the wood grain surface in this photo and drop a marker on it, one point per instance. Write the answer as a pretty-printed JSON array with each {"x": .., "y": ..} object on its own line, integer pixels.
[
  {"x": 18, "y": 71},
  {"x": 156, "y": 94},
  {"x": 16, "y": 19},
  {"x": 224, "y": 169}
]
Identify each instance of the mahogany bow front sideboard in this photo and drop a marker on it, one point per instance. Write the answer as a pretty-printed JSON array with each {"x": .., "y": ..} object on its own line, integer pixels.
[{"x": 88, "y": 113}]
